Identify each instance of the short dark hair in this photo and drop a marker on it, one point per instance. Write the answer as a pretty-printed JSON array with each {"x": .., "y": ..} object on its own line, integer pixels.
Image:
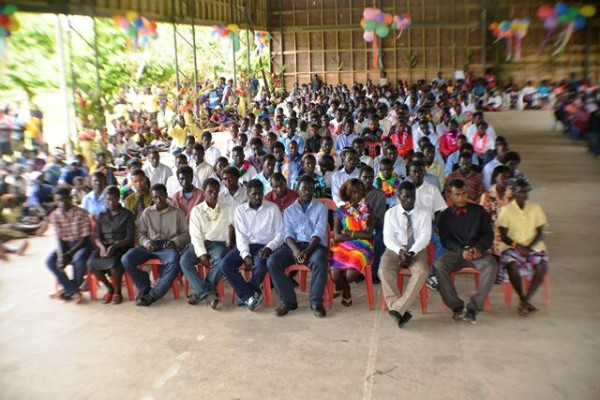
[
  {"x": 366, "y": 169},
  {"x": 231, "y": 171},
  {"x": 154, "y": 151},
  {"x": 112, "y": 190},
  {"x": 159, "y": 187},
  {"x": 278, "y": 177},
  {"x": 99, "y": 175},
  {"x": 416, "y": 163},
  {"x": 406, "y": 185},
  {"x": 207, "y": 135},
  {"x": 138, "y": 172},
  {"x": 198, "y": 147},
  {"x": 210, "y": 182},
  {"x": 255, "y": 184},
  {"x": 456, "y": 183},
  {"x": 186, "y": 170},
  {"x": 358, "y": 141},
  {"x": 386, "y": 161},
  {"x": 266, "y": 157},
  {"x": 466, "y": 155},
  {"x": 277, "y": 145},
  {"x": 327, "y": 162},
  {"x": 181, "y": 157},
  {"x": 500, "y": 169},
  {"x": 512, "y": 156},
  {"x": 306, "y": 179},
  {"x": 256, "y": 140}
]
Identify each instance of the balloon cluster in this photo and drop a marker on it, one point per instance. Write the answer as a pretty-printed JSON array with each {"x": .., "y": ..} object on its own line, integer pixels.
[
  {"x": 572, "y": 19},
  {"x": 401, "y": 22},
  {"x": 513, "y": 32},
  {"x": 261, "y": 39},
  {"x": 140, "y": 29},
  {"x": 8, "y": 22},
  {"x": 375, "y": 22},
  {"x": 231, "y": 31}
]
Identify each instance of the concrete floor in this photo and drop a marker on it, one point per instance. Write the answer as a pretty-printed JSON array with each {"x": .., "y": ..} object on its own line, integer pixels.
[{"x": 52, "y": 350}]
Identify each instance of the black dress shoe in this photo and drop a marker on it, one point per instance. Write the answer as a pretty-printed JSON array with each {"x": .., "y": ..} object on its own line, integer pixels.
[
  {"x": 193, "y": 299},
  {"x": 396, "y": 316},
  {"x": 404, "y": 320},
  {"x": 283, "y": 309},
  {"x": 144, "y": 301},
  {"x": 319, "y": 311},
  {"x": 376, "y": 280}
]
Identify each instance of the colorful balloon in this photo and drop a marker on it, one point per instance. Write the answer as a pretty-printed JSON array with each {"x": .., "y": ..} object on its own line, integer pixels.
[
  {"x": 560, "y": 8},
  {"x": 9, "y": 9},
  {"x": 588, "y": 11},
  {"x": 382, "y": 31},
  {"x": 579, "y": 23},
  {"x": 369, "y": 36},
  {"x": 550, "y": 23},
  {"x": 545, "y": 11},
  {"x": 370, "y": 25},
  {"x": 131, "y": 15}
]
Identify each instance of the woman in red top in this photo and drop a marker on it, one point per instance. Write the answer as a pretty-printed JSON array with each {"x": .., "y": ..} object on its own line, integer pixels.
[
  {"x": 448, "y": 140},
  {"x": 402, "y": 139}
]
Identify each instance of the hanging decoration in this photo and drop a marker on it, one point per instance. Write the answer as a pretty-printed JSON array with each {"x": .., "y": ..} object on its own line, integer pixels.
[
  {"x": 8, "y": 25},
  {"x": 375, "y": 23},
  {"x": 401, "y": 22},
  {"x": 231, "y": 31},
  {"x": 570, "y": 19},
  {"x": 260, "y": 40},
  {"x": 513, "y": 33},
  {"x": 137, "y": 28}
]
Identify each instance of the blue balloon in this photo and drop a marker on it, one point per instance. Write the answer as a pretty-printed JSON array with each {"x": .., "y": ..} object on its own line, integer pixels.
[
  {"x": 144, "y": 41},
  {"x": 560, "y": 8},
  {"x": 138, "y": 22},
  {"x": 579, "y": 23}
]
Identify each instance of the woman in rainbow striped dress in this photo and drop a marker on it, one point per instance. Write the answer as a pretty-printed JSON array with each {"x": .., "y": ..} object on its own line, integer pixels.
[{"x": 353, "y": 234}]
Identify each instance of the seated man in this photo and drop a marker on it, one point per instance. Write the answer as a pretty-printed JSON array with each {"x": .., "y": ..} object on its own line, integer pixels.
[
  {"x": 247, "y": 171},
  {"x": 173, "y": 184},
  {"x": 258, "y": 232},
  {"x": 156, "y": 171},
  {"x": 305, "y": 233},
  {"x": 467, "y": 235},
  {"x": 189, "y": 196},
  {"x": 473, "y": 180},
  {"x": 267, "y": 169},
  {"x": 233, "y": 193},
  {"x": 162, "y": 230},
  {"x": 72, "y": 226},
  {"x": 406, "y": 234},
  {"x": 388, "y": 181},
  {"x": 210, "y": 230},
  {"x": 137, "y": 201},
  {"x": 521, "y": 223},
  {"x": 280, "y": 195},
  {"x": 202, "y": 169},
  {"x": 345, "y": 174}
]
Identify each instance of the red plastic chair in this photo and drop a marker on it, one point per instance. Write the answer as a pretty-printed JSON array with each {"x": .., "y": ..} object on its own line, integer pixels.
[
  {"x": 508, "y": 290},
  {"x": 368, "y": 274},
  {"x": 423, "y": 294},
  {"x": 93, "y": 284},
  {"x": 203, "y": 272},
  {"x": 475, "y": 273},
  {"x": 154, "y": 263},
  {"x": 372, "y": 148}
]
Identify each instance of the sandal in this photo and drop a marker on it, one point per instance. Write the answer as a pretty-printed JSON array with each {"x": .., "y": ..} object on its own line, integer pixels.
[
  {"x": 108, "y": 297},
  {"x": 347, "y": 301},
  {"x": 531, "y": 308},
  {"x": 117, "y": 298},
  {"x": 523, "y": 310}
]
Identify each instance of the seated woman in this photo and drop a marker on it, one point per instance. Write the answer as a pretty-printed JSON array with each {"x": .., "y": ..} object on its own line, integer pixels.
[
  {"x": 115, "y": 234},
  {"x": 521, "y": 225},
  {"x": 309, "y": 165},
  {"x": 493, "y": 201},
  {"x": 353, "y": 234}
]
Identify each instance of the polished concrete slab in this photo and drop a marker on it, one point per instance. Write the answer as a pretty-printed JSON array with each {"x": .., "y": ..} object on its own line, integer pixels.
[{"x": 53, "y": 350}]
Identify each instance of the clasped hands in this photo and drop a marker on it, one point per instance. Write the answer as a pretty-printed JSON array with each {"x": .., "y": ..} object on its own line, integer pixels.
[
  {"x": 407, "y": 258},
  {"x": 472, "y": 253},
  {"x": 265, "y": 252}
]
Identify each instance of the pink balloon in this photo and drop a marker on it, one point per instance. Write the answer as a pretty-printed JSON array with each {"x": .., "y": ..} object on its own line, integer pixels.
[
  {"x": 369, "y": 36},
  {"x": 545, "y": 11},
  {"x": 370, "y": 13}
]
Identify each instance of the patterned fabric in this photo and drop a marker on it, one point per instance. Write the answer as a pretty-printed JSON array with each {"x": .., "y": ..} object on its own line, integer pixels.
[
  {"x": 493, "y": 203},
  {"x": 356, "y": 253},
  {"x": 474, "y": 183},
  {"x": 526, "y": 264},
  {"x": 72, "y": 225},
  {"x": 389, "y": 187}
]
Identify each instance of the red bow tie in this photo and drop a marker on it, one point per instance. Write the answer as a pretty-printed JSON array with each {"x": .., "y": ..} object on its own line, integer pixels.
[{"x": 461, "y": 211}]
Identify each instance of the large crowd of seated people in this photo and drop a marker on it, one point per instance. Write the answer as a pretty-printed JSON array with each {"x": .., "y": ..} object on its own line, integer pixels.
[{"x": 348, "y": 181}]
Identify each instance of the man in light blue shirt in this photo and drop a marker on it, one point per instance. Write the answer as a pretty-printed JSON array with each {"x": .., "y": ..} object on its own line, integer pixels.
[
  {"x": 93, "y": 202},
  {"x": 347, "y": 137},
  {"x": 290, "y": 136},
  {"x": 305, "y": 237}
]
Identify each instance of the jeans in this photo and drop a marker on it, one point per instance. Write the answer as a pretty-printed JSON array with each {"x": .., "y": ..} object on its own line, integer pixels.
[
  {"x": 317, "y": 262},
  {"x": 379, "y": 249},
  {"x": 439, "y": 249},
  {"x": 189, "y": 261},
  {"x": 169, "y": 259},
  {"x": 452, "y": 262},
  {"x": 79, "y": 263},
  {"x": 230, "y": 268}
]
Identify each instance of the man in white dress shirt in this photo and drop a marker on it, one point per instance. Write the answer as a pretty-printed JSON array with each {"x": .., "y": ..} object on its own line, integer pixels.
[
  {"x": 258, "y": 232},
  {"x": 232, "y": 193},
  {"x": 202, "y": 169},
  {"x": 211, "y": 153},
  {"x": 155, "y": 170},
  {"x": 406, "y": 234},
  {"x": 348, "y": 172}
]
